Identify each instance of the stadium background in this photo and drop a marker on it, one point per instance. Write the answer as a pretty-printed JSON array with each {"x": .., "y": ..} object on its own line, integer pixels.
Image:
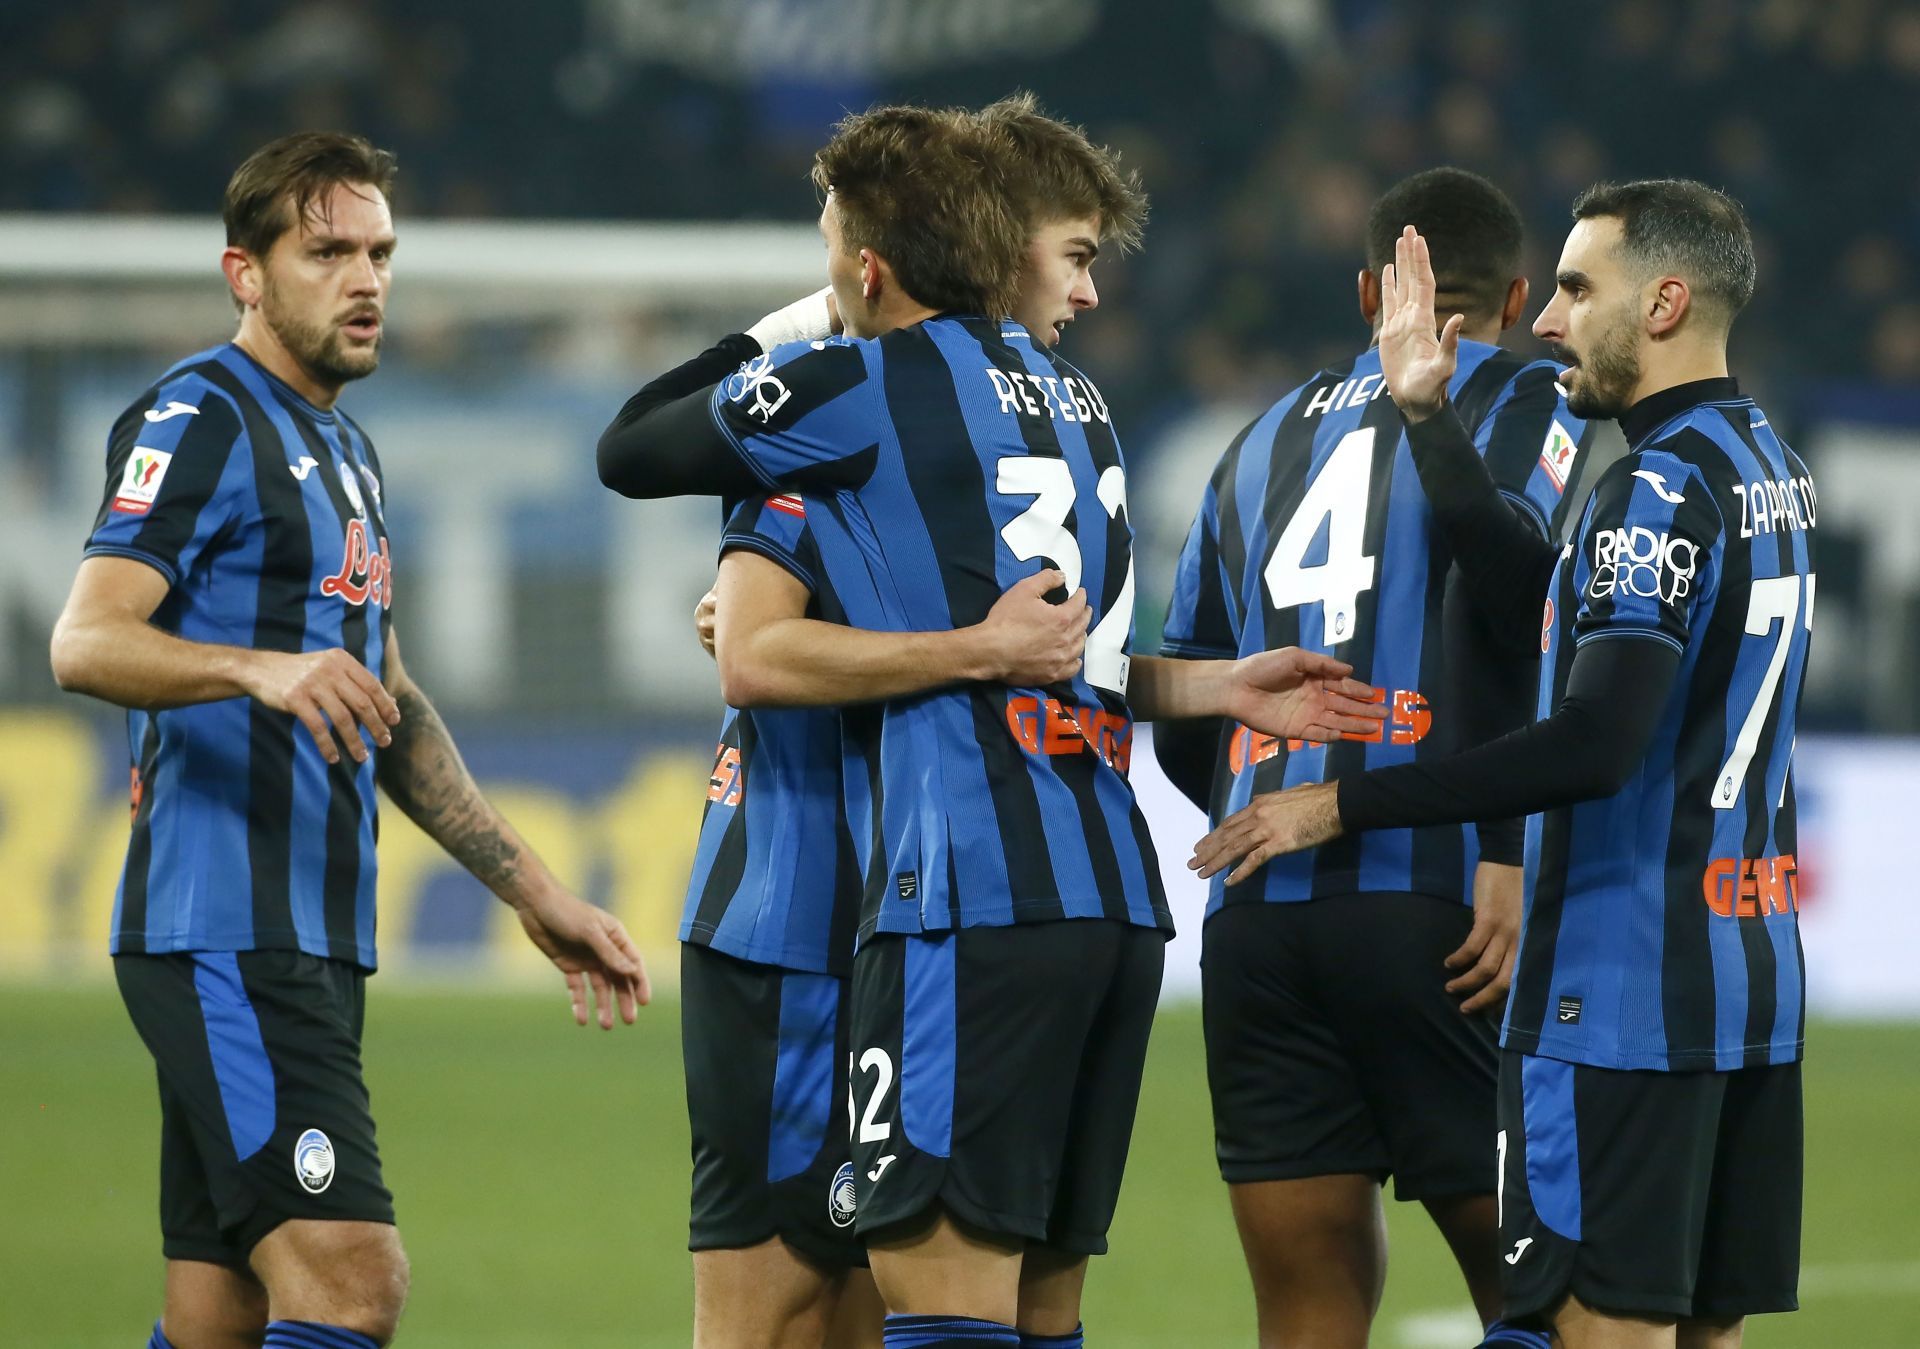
[{"x": 590, "y": 190}]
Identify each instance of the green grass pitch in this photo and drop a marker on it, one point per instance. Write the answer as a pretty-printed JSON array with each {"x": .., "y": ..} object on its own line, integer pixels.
[{"x": 541, "y": 1177}]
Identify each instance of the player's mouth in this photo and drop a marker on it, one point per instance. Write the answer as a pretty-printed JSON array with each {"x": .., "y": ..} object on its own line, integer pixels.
[{"x": 363, "y": 326}]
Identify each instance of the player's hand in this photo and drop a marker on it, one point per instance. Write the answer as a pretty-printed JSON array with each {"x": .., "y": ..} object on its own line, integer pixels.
[
  {"x": 1302, "y": 695},
  {"x": 334, "y": 696},
  {"x": 1270, "y": 825},
  {"x": 591, "y": 947},
  {"x": 1487, "y": 954},
  {"x": 1029, "y": 641},
  {"x": 809, "y": 318},
  {"x": 703, "y": 620},
  {"x": 1417, "y": 362}
]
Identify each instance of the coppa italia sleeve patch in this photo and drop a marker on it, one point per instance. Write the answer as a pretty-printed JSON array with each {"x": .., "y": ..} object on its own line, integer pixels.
[{"x": 140, "y": 484}]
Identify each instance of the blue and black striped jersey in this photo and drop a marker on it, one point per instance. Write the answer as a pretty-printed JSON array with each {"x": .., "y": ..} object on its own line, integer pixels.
[
  {"x": 265, "y": 515},
  {"x": 942, "y": 463},
  {"x": 1314, "y": 532},
  {"x": 1662, "y": 927},
  {"x": 776, "y": 879}
]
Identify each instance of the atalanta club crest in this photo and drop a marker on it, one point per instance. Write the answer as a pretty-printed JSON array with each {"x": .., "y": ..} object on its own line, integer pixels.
[
  {"x": 840, "y": 1197},
  {"x": 313, "y": 1161}
]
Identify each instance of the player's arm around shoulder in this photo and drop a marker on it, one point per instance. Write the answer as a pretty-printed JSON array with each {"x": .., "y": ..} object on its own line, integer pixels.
[{"x": 422, "y": 772}]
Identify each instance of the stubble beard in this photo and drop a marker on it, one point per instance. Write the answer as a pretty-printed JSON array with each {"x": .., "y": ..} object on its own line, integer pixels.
[
  {"x": 1610, "y": 373},
  {"x": 321, "y": 347}
]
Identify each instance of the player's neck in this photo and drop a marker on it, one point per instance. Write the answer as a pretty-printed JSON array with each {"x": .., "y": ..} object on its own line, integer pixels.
[
  {"x": 1681, "y": 365},
  {"x": 264, "y": 345},
  {"x": 894, "y": 310}
]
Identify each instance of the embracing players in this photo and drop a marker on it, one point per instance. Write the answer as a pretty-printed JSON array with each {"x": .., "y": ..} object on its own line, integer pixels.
[
  {"x": 1337, "y": 1051},
  {"x": 237, "y": 598},
  {"x": 1650, "y": 1109},
  {"x": 775, "y": 892},
  {"x": 1012, "y": 923}
]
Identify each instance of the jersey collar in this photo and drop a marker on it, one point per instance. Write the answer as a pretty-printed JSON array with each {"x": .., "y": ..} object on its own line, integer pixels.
[
  {"x": 1650, "y": 413},
  {"x": 285, "y": 391}
]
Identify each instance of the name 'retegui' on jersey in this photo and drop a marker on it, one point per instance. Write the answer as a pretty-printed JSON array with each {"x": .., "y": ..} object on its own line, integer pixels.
[{"x": 941, "y": 464}]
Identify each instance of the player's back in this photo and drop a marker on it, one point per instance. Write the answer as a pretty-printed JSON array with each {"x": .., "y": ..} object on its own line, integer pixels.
[
  {"x": 1662, "y": 927},
  {"x": 943, "y": 463},
  {"x": 1314, "y": 532},
  {"x": 265, "y": 514}
]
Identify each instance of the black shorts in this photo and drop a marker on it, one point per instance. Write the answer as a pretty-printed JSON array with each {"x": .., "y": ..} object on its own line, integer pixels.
[
  {"x": 1333, "y": 1047},
  {"x": 1662, "y": 1195},
  {"x": 263, "y": 1114},
  {"x": 996, "y": 1071},
  {"x": 766, "y": 1059}
]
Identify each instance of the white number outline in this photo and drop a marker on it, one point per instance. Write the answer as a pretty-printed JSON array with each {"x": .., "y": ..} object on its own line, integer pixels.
[
  {"x": 1040, "y": 531},
  {"x": 1770, "y": 599},
  {"x": 1346, "y": 477},
  {"x": 870, "y": 1129}
]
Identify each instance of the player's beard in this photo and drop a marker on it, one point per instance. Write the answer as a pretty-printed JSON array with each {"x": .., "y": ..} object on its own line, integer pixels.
[
  {"x": 1609, "y": 373},
  {"x": 321, "y": 347}
]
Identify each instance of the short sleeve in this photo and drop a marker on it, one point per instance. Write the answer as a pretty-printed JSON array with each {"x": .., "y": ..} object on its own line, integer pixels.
[
  {"x": 1532, "y": 445},
  {"x": 169, "y": 494},
  {"x": 1650, "y": 548},
  {"x": 776, "y": 528},
  {"x": 1200, "y": 618},
  {"x": 803, "y": 416}
]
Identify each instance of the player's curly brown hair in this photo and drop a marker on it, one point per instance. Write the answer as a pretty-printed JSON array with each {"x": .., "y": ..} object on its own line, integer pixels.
[
  {"x": 283, "y": 180},
  {"x": 1062, "y": 175},
  {"x": 927, "y": 189}
]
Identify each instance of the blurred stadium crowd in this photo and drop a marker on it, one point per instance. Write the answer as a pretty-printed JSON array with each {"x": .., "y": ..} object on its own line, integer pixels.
[{"x": 1263, "y": 129}]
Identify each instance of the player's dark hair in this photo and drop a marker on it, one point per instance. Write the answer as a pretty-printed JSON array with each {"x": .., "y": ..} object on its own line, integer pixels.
[
  {"x": 927, "y": 189},
  {"x": 1471, "y": 229},
  {"x": 1678, "y": 226},
  {"x": 1063, "y": 175},
  {"x": 285, "y": 180}
]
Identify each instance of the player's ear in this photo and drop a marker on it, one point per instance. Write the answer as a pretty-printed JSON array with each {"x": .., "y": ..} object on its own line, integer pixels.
[
  {"x": 1667, "y": 305},
  {"x": 1367, "y": 287},
  {"x": 871, "y": 278},
  {"x": 1516, "y": 305},
  {"x": 243, "y": 275}
]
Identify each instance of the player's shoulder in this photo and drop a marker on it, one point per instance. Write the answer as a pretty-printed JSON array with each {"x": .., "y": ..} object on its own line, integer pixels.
[
  {"x": 1491, "y": 378},
  {"x": 189, "y": 402},
  {"x": 776, "y": 387}
]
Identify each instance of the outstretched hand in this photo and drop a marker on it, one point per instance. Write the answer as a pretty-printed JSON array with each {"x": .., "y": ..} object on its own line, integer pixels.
[
  {"x": 1418, "y": 362},
  {"x": 1271, "y": 824},
  {"x": 705, "y": 622},
  {"x": 1302, "y": 695},
  {"x": 590, "y": 947}
]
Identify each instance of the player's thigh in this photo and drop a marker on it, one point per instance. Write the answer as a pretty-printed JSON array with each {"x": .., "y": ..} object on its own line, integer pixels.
[
  {"x": 859, "y": 1316},
  {"x": 1577, "y": 1325},
  {"x": 1051, "y": 1283},
  {"x": 1313, "y": 1240},
  {"x": 766, "y": 1061},
  {"x": 967, "y": 1048},
  {"x": 266, "y": 1117},
  {"x": 1427, "y": 1071},
  {"x": 1711, "y": 1334},
  {"x": 1750, "y": 1257},
  {"x": 1106, "y": 1097},
  {"x": 768, "y": 1293},
  {"x": 1287, "y": 1103},
  {"x": 1604, "y": 1186}
]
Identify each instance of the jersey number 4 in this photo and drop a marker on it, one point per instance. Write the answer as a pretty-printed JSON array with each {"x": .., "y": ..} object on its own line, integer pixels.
[
  {"x": 1040, "y": 531},
  {"x": 1338, "y": 495}
]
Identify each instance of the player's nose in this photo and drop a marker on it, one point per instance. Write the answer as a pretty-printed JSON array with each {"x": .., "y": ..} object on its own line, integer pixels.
[{"x": 1085, "y": 296}]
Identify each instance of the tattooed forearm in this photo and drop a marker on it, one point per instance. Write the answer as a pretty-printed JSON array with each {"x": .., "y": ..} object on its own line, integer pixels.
[{"x": 422, "y": 773}]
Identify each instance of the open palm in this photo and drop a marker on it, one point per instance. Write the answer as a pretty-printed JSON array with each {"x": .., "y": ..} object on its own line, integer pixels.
[{"x": 1417, "y": 361}]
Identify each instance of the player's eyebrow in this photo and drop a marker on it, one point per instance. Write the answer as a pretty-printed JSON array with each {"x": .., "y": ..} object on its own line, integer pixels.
[
  {"x": 1090, "y": 245},
  {"x": 1572, "y": 280}
]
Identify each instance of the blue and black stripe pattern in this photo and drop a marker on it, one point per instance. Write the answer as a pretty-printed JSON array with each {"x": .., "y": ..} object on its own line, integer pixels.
[
  {"x": 941, "y": 464},
  {"x": 1662, "y": 924},
  {"x": 265, "y": 515},
  {"x": 1314, "y": 532},
  {"x": 776, "y": 879}
]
